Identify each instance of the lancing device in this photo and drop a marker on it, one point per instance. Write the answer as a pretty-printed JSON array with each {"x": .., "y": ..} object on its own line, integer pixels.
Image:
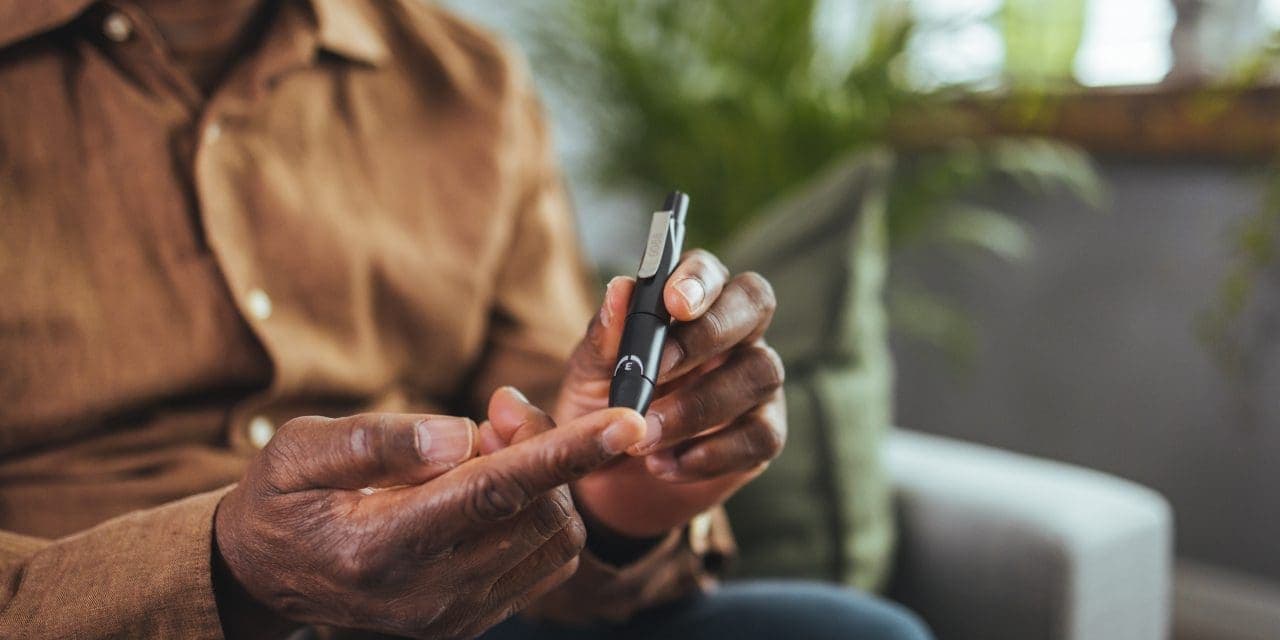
[{"x": 645, "y": 331}]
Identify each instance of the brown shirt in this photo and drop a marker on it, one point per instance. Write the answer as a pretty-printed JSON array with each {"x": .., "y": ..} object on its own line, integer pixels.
[
  {"x": 203, "y": 38},
  {"x": 364, "y": 214}
]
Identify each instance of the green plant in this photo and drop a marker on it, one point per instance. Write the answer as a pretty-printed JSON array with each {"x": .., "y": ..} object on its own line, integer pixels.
[
  {"x": 1241, "y": 326},
  {"x": 1256, "y": 247},
  {"x": 738, "y": 101},
  {"x": 1040, "y": 40}
]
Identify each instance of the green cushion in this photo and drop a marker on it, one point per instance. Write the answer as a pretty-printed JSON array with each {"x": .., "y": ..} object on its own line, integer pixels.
[{"x": 823, "y": 509}]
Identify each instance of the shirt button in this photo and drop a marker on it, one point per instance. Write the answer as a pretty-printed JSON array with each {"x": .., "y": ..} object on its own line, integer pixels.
[
  {"x": 260, "y": 431},
  {"x": 117, "y": 27},
  {"x": 258, "y": 303},
  {"x": 212, "y": 133}
]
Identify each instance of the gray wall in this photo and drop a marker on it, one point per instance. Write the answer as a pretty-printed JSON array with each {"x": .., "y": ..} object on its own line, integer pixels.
[{"x": 1088, "y": 355}]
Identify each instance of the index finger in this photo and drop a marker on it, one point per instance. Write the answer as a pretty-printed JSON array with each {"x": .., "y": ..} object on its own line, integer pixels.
[{"x": 494, "y": 488}]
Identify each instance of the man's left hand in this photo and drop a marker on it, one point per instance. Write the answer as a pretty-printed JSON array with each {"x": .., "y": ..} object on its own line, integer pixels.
[{"x": 718, "y": 416}]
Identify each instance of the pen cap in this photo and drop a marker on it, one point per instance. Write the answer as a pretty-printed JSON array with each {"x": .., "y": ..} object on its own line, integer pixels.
[
  {"x": 678, "y": 204},
  {"x": 662, "y": 252}
]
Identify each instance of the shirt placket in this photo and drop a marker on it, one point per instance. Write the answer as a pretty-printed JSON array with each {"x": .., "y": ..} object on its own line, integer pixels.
[
  {"x": 220, "y": 151},
  {"x": 208, "y": 152}
]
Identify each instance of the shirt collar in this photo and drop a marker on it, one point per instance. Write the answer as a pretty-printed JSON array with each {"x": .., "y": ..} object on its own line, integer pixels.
[
  {"x": 344, "y": 27},
  {"x": 347, "y": 28}
]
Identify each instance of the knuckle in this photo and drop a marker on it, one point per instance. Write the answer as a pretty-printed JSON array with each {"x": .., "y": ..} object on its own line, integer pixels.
[
  {"x": 700, "y": 257},
  {"x": 766, "y": 369},
  {"x": 494, "y": 496},
  {"x": 287, "y": 431},
  {"x": 352, "y": 569},
  {"x": 758, "y": 291},
  {"x": 575, "y": 532},
  {"x": 296, "y": 431},
  {"x": 699, "y": 463},
  {"x": 364, "y": 441},
  {"x": 564, "y": 461},
  {"x": 770, "y": 440},
  {"x": 547, "y": 518},
  {"x": 708, "y": 263},
  {"x": 290, "y": 450},
  {"x": 762, "y": 439},
  {"x": 715, "y": 327},
  {"x": 692, "y": 409},
  {"x": 696, "y": 338},
  {"x": 567, "y": 544}
]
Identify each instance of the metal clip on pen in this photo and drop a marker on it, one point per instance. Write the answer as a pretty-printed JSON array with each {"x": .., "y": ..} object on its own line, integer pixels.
[{"x": 645, "y": 331}]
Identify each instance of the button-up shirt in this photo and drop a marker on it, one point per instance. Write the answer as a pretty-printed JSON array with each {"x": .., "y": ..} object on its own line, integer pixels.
[{"x": 364, "y": 215}]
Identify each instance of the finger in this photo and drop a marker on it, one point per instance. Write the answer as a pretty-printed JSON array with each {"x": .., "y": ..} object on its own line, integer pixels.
[
  {"x": 746, "y": 444},
  {"x": 740, "y": 314},
  {"x": 514, "y": 419},
  {"x": 594, "y": 357},
  {"x": 489, "y": 439},
  {"x": 497, "y": 487},
  {"x": 749, "y": 376},
  {"x": 511, "y": 606},
  {"x": 696, "y": 282},
  {"x": 505, "y": 546},
  {"x": 367, "y": 450},
  {"x": 515, "y": 589}
]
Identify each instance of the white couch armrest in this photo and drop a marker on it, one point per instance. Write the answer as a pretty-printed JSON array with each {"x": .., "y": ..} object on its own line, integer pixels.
[{"x": 997, "y": 545}]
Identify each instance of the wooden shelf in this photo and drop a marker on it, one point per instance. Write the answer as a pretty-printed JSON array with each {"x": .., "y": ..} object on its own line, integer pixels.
[{"x": 1161, "y": 121}]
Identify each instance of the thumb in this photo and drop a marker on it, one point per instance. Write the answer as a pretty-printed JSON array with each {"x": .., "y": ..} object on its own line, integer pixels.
[
  {"x": 367, "y": 450},
  {"x": 595, "y": 355},
  {"x": 512, "y": 419}
]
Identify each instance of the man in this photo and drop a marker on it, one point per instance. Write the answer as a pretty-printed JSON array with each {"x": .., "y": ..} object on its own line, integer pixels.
[{"x": 224, "y": 219}]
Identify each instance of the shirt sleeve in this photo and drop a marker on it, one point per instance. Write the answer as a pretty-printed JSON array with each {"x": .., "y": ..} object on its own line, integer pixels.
[
  {"x": 144, "y": 574},
  {"x": 687, "y": 561}
]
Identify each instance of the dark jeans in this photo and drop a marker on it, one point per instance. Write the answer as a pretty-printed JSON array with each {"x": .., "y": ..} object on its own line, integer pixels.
[{"x": 748, "y": 611}]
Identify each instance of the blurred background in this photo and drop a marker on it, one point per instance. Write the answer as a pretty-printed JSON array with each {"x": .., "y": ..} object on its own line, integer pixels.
[{"x": 1081, "y": 222}]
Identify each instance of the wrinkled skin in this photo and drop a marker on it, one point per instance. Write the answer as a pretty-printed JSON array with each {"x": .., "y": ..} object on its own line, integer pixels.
[
  {"x": 435, "y": 552},
  {"x": 718, "y": 416},
  {"x": 350, "y": 523}
]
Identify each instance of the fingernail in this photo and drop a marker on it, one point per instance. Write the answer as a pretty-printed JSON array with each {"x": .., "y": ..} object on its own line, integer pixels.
[
  {"x": 620, "y": 435},
  {"x": 606, "y": 309},
  {"x": 445, "y": 439},
  {"x": 652, "y": 432},
  {"x": 516, "y": 392},
  {"x": 692, "y": 291},
  {"x": 662, "y": 464},
  {"x": 671, "y": 355}
]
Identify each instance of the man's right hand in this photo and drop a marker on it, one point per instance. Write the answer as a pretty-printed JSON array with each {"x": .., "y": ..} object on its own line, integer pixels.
[{"x": 440, "y": 551}]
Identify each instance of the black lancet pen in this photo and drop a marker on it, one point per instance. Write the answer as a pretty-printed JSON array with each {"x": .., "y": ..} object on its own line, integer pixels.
[{"x": 645, "y": 331}]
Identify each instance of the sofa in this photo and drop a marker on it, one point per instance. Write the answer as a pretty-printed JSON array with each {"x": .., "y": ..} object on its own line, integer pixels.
[
  {"x": 994, "y": 544},
  {"x": 984, "y": 544}
]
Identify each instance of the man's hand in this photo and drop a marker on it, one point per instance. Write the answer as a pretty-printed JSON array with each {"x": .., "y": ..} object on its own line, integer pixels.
[
  {"x": 718, "y": 417},
  {"x": 447, "y": 546}
]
